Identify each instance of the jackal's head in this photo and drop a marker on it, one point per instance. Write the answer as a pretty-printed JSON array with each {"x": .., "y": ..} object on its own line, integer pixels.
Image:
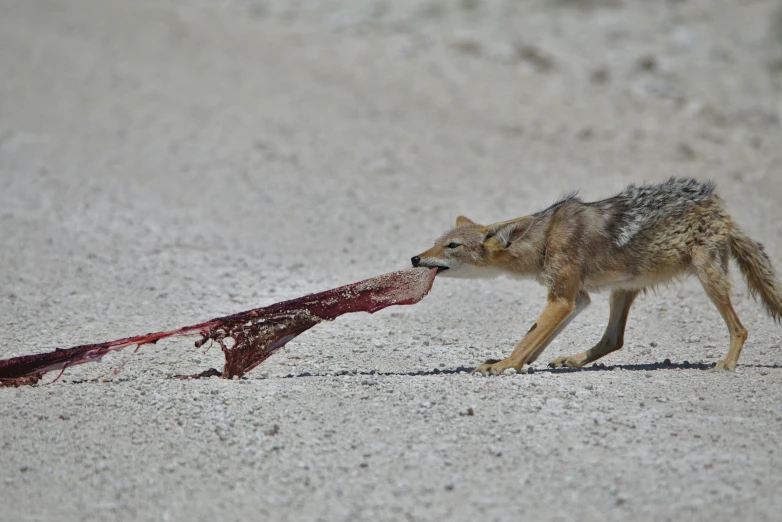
[{"x": 472, "y": 250}]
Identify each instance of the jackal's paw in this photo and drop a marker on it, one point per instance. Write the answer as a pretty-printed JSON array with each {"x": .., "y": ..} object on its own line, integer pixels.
[
  {"x": 724, "y": 366},
  {"x": 494, "y": 367},
  {"x": 566, "y": 362}
]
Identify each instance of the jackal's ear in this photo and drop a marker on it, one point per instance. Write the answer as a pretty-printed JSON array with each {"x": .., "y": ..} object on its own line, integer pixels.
[
  {"x": 462, "y": 221},
  {"x": 507, "y": 232}
]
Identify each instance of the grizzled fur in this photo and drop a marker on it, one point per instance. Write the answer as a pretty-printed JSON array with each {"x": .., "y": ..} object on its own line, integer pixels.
[
  {"x": 642, "y": 237},
  {"x": 639, "y": 208}
]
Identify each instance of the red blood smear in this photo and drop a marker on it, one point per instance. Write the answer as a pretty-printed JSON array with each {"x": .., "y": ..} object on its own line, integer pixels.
[{"x": 256, "y": 334}]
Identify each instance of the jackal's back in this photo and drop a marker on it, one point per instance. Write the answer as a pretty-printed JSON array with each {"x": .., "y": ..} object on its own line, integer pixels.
[{"x": 639, "y": 209}]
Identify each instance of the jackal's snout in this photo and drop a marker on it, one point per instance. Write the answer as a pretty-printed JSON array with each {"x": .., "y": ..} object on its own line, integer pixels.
[{"x": 431, "y": 259}]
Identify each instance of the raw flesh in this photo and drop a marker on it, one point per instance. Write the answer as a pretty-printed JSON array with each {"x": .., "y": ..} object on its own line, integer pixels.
[{"x": 247, "y": 338}]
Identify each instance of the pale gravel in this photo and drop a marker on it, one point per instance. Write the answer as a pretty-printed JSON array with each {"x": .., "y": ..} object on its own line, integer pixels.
[{"x": 163, "y": 163}]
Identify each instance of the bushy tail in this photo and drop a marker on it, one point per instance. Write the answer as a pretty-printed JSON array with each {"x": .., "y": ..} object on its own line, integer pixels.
[{"x": 760, "y": 275}]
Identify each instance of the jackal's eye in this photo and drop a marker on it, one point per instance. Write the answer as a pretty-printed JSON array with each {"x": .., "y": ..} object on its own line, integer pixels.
[{"x": 453, "y": 244}]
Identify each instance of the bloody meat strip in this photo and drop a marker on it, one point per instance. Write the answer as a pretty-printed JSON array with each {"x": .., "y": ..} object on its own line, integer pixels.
[{"x": 247, "y": 338}]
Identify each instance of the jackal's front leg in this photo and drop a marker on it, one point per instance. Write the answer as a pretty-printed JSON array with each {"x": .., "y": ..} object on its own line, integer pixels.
[{"x": 554, "y": 315}]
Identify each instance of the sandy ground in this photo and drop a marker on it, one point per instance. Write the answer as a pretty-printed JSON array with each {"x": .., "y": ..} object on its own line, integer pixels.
[{"x": 163, "y": 163}]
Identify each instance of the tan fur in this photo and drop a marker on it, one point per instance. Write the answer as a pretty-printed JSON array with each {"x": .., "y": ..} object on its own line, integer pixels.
[{"x": 576, "y": 247}]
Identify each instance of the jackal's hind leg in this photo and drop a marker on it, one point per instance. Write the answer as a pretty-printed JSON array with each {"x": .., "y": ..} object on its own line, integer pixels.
[
  {"x": 613, "y": 338},
  {"x": 715, "y": 281}
]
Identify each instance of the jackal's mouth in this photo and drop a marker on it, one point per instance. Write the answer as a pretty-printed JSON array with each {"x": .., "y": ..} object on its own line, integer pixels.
[
  {"x": 417, "y": 261},
  {"x": 440, "y": 268}
]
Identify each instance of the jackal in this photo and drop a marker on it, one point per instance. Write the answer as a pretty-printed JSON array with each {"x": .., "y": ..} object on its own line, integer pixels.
[{"x": 642, "y": 237}]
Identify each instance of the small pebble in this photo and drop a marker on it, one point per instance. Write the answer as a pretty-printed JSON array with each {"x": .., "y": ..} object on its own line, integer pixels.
[
  {"x": 510, "y": 371},
  {"x": 600, "y": 76},
  {"x": 647, "y": 63}
]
